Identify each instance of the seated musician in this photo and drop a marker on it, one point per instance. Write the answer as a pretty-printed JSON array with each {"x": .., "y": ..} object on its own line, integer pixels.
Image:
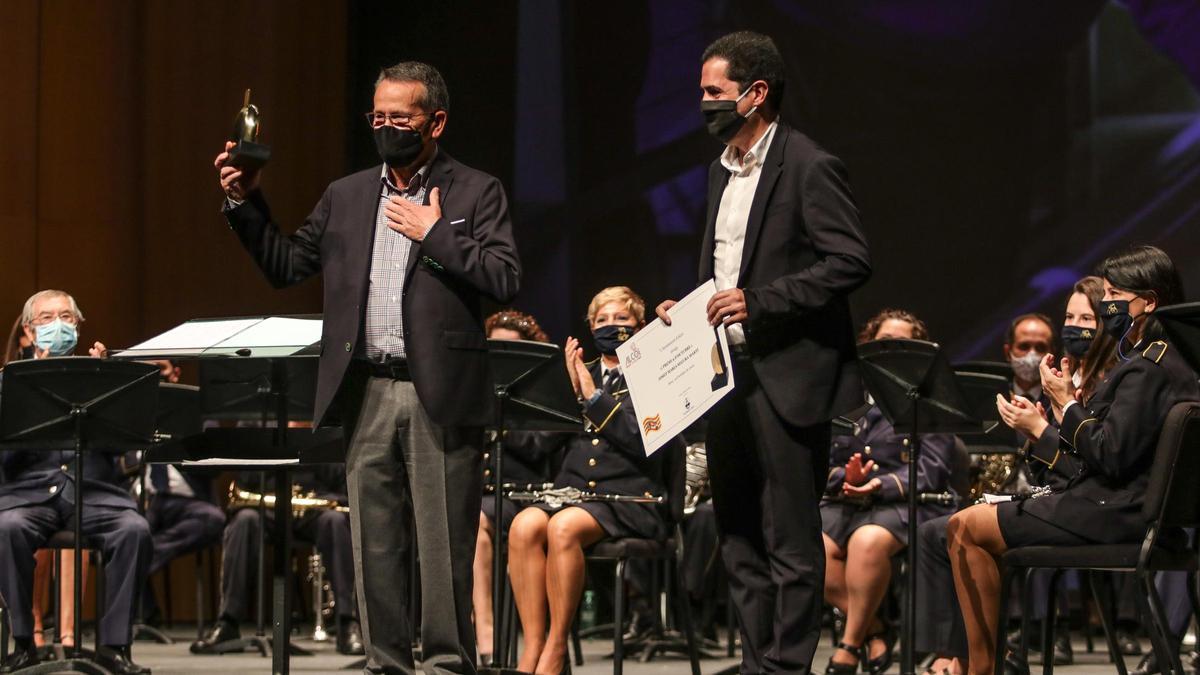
[
  {"x": 38, "y": 500},
  {"x": 183, "y": 518},
  {"x": 546, "y": 559},
  {"x": 1112, "y": 438},
  {"x": 940, "y": 630},
  {"x": 864, "y": 516},
  {"x": 327, "y": 528},
  {"x": 529, "y": 459}
]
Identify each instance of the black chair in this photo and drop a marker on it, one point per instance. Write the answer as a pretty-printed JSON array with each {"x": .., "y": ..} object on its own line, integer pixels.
[
  {"x": 1170, "y": 504},
  {"x": 64, "y": 540},
  {"x": 668, "y": 550},
  {"x": 3, "y": 631}
]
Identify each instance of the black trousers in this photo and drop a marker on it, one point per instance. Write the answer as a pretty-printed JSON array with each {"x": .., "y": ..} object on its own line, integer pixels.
[
  {"x": 329, "y": 531},
  {"x": 767, "y": 478},
  {"x": 181, "y": 525},
  {"x": 940, "y": 628},
  {"x": 124, "y": 538}
]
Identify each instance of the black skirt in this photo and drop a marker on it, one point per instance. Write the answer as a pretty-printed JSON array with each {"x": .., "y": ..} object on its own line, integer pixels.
[
  {"x": 509, "y": 507},
  {"x": 1021, "y": 528},
  {"x": 621, "y": 519},
  {"x": 839, "y": 520}
]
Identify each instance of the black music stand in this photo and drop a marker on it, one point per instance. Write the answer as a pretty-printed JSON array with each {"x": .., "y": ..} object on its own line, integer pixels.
[
  {"x": 980, "y": 391},
  {"x": 918, "y": 393},
  {"x": 533, "y": 393},
  {"x": 74, "y": 403},
  {"x": 1181, "y": 323},
  {"x": 266, "y": 390}
]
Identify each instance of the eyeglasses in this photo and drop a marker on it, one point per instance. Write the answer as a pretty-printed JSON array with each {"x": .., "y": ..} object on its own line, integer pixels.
[
  {"x": 67, "y": 317},
  {"x": 377, "y": 119}
]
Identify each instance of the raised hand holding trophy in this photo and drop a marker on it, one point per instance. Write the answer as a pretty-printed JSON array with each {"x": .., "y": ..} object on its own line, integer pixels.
[{"x": 247, "y": 153}]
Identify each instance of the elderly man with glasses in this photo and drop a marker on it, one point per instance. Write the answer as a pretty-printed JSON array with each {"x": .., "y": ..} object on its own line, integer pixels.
[{"x": 37, "y": 499}]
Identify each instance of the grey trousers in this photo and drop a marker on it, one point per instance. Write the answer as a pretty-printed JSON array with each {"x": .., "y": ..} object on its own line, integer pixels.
[{"x": 412, "y": 482}]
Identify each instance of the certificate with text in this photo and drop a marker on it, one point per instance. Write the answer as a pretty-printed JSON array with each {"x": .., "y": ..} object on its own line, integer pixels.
[{"x": 676, "y": 373}]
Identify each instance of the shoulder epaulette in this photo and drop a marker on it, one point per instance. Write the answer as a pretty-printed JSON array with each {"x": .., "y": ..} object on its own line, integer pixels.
[{"x": 1155, "y": 351}]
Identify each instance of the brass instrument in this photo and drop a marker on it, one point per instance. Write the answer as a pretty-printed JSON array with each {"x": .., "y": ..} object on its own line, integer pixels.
[
  {"x": 301, "y": 502},
  {"x": 993, "y": 473},
  {"x": 696, "y": 481}
]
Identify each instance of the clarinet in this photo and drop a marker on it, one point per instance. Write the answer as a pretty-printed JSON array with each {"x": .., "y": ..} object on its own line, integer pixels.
[{"x": 557, "y": 497}]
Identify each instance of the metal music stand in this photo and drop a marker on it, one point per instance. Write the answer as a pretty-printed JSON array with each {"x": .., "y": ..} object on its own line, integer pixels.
[
  {"x": 75, "y": 403},
  {"x": 264, "y": 390},
  {"x": 918, "y": 393},
  {"x": 980, "y": 391},
  {"x": 1181, "y": 323},
  {"x": 533, "y": 393},
  {"x": 178, "y": 415}
]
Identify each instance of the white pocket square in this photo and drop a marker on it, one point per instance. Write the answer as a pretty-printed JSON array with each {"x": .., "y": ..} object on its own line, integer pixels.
[{"x": 460, "y": 220}]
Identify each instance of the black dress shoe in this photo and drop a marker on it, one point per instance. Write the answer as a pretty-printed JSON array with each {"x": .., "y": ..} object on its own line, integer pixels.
[
  {"x": 1063, "y": 654},
  {"x": 117, "y": 660},
  {"x": 1147, "y": 666},
  {"x": 22, "y": 658},
  {"x": 641, "y": 626},
  {"x": 1127, "y": 642},
  {"x": 350, "y": 641},
  {"x": 222, "y": 631},
  {"x": 1014, "y": 664}
]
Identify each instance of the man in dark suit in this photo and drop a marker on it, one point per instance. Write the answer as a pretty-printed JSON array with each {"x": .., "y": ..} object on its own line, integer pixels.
[
  {"x": 783, "y": 242},
  {"x": 37, "y": 499},
  {"x": 408, "y": 249}
]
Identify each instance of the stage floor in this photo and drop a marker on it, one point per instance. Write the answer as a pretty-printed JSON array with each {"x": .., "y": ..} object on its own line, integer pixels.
[{"x": 173, "y": 659}]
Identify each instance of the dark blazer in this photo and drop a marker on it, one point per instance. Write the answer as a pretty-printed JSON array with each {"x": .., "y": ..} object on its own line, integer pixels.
[
  {"x": 804, "y": 252},
  {"x": 609, "y": 456},
  {"x": 878, "y": 441},
  {"x": 469, "y": 253},
  {"x": 1114, "y": 436},
  {"x": 37, "y": 476}
]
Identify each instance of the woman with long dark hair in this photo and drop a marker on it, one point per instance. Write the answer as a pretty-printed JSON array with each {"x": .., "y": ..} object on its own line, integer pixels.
[{"x": 1112, "y": 437}]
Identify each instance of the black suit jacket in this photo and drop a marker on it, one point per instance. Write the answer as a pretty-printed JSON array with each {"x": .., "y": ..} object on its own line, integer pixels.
[
  {"x": 803, "y": 254},
  {"x": 468, "y": 253},
  {"x": 1113, "y": 437}
]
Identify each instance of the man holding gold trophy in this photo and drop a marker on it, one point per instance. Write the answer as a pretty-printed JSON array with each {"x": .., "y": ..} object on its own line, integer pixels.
[{"x": 408, "y": 249}]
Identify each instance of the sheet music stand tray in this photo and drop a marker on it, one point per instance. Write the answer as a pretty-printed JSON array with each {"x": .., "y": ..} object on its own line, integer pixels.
[
  {"x": 919, "y": 394},
  {"x": 75, "y": 403},
  {"x": 533, "y": 393}
]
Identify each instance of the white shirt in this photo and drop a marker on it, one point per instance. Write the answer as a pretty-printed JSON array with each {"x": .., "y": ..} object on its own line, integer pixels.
[{"x": 732, "y": 216}]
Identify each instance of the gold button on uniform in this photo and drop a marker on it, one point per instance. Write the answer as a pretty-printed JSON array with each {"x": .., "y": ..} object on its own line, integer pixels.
[
  {"x": 487, "y": 456},
  {"x": 592, "y": 461},
  {"x": 595, "y": 441},
  {"x": 867, "y": 450},
  {"x": 64, "y": 467},
  {"x": 487, "y": 472},
  {"x": 591, "y": 483},
  {"x": 53, "y": 489}
]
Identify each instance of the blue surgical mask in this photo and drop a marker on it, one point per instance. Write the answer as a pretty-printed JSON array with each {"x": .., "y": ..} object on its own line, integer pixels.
[{"x": 58, "y": 337}]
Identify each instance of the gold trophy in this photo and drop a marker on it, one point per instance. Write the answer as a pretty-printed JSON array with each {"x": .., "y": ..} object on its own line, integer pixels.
[{"x": 247, "y": 152}]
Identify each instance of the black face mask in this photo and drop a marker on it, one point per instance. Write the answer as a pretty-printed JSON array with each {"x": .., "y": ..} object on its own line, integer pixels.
[
  {"x": 1077, "y": 340},
  {"x": 398, "y": 147},
  {"x": 608, "y": 338},
  {"x": 722, "y": 118},
  {"x": 1116, "y": 318}
]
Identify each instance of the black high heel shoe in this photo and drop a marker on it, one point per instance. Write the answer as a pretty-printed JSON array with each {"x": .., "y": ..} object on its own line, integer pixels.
[
  {"x": 834, "y": 668},
  {"x": 881, "y": 663}
]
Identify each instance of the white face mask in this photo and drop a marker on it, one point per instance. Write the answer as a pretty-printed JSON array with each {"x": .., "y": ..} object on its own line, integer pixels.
[{"x": 1027, "y": 367}]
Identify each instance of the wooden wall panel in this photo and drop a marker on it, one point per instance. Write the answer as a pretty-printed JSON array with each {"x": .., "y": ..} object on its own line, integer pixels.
[
  {"x": 88, "y": 167},
  {"x": 199, "y": 59},
  {"x": 18, "y": 157}
]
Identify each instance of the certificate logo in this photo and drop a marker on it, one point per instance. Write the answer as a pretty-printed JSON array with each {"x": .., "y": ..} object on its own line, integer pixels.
[
  {"x": 633, "y": 356},
  {"x": 652, "y": 424}
]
